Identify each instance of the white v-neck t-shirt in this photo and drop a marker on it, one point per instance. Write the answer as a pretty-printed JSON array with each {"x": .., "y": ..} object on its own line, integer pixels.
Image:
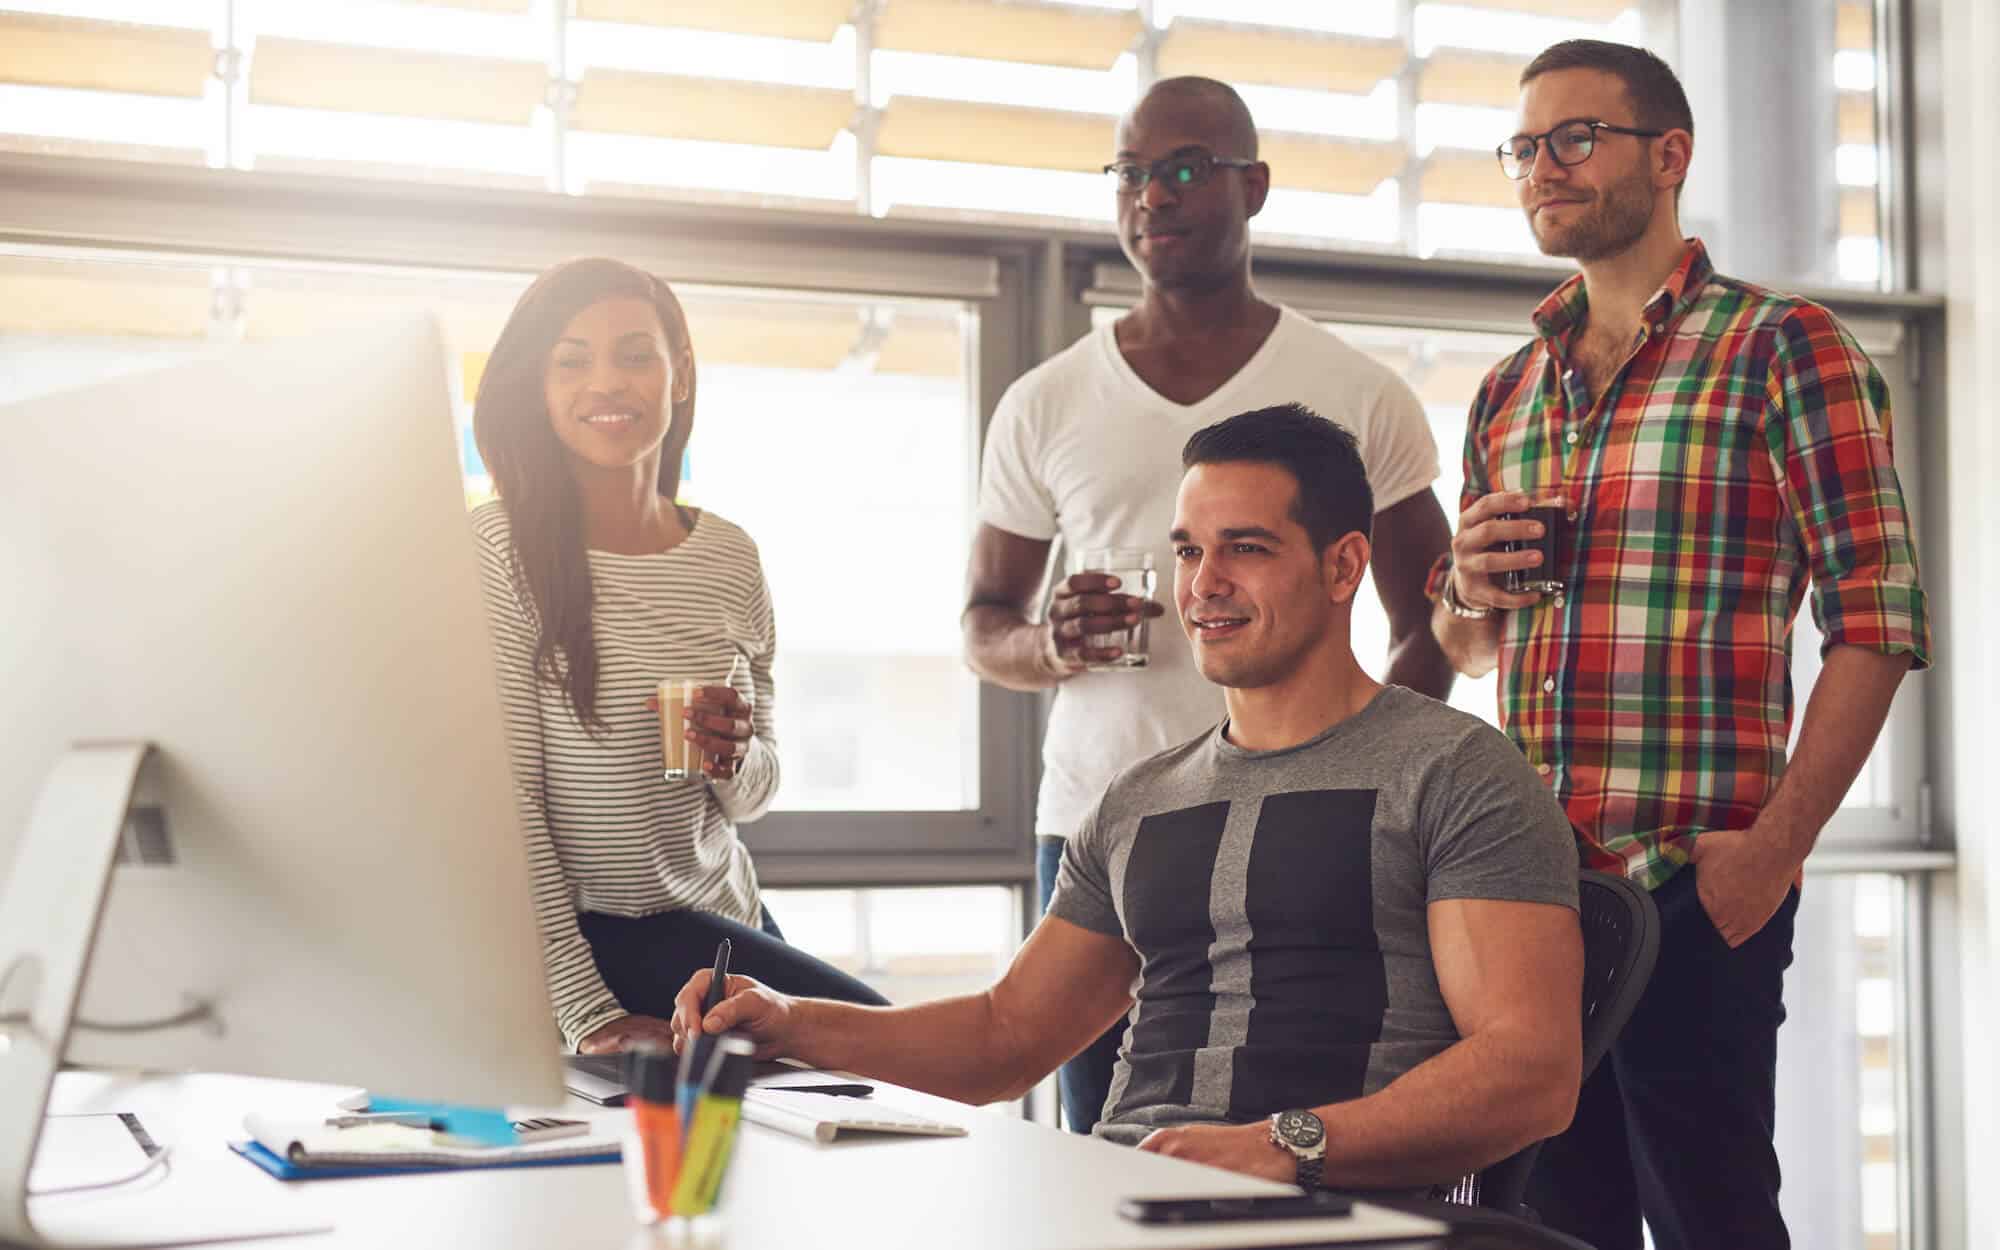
[{"x": 1083, "y": 450}]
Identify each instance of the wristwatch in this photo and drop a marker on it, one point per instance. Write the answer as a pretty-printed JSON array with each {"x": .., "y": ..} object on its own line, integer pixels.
[{"x": 1302, "y": 1134}]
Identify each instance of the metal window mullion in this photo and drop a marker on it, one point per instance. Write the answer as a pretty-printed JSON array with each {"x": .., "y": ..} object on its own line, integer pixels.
[
  {"x": 1916, "y": 1129},
  {"x": 1409, "y": 183},
  {"x": 229, "y": 64},
  {"x": 1895, "y": 155},
  {"x": 867, "y": 118},
  {"x": 561, "y": 96},
  {"x": 1147, "y": 50}
]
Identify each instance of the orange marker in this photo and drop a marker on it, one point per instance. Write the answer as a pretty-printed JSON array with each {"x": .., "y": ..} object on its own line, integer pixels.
[{"x": 649, "y": 1080}]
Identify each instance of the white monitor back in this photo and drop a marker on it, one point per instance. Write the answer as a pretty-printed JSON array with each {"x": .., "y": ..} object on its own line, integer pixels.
[{"x": 263, "y": 564}]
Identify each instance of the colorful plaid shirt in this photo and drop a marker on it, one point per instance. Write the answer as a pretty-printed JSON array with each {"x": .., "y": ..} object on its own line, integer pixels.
[{"x": 1741, "y": 448}]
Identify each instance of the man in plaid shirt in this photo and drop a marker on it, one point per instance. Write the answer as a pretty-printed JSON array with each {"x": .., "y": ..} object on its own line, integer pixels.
[{"x": 1713, "y": 447}]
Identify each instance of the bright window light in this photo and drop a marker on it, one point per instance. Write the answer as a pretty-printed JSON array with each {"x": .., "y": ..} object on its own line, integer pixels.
[
  {"x": 1462, "y": 126},
  {"x": 1489, "y": 30},
  {"x": 1880, "y": 1206},
  {"x": 1005, "y": 82},
  {"x": 1854, "y": 165},
  {"x": 1854, "y": 71},
  {"x": 900, "y": 182},
  {"x": 874, "y": 714},
  {"x": 371, "y": 138},
  {"x": 1874, "y": 907},
  {"x": 1371, "y": 116},
  {"x": 1473, "y": 229},
  {"x": 371, "y": 23},
  {"x": 1317, "y": 214},
  {"x": 1875, "y": 1007},
  {"x": 105, "y": 116},
  {"x": 1375, "y": 19},
  {"x": 707, "y": 54},
  {"x": 1859, "y": 259},
  {"x": 693, "y": 165},
  {"x": 190, "y": 14}
]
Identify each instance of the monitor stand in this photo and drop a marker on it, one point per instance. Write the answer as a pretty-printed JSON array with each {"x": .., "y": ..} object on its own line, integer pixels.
[{"x": 49, "y": 909}]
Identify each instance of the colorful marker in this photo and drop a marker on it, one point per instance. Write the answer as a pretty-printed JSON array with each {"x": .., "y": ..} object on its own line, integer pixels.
[
  {"x": 649, "y": 1084},
  {"x": 712, "y": 1136}
]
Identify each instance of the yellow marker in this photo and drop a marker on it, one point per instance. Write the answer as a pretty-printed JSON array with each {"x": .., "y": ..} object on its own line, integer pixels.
[{"x": 711, "y": 1131}]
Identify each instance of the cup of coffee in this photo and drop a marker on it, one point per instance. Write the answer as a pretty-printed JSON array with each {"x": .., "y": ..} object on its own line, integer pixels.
[
  {"x": 680, "y": 758},
  {"x": 1546, "y": 577},
  {"x": 1133, "y": 567}
]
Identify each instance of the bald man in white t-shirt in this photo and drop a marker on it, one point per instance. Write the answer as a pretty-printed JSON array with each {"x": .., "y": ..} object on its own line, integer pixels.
[{"x": 1086, "y": 448}]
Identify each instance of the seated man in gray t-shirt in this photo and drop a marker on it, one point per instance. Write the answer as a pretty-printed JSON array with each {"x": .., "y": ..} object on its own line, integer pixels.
[{"x": 1340, "y": 925}]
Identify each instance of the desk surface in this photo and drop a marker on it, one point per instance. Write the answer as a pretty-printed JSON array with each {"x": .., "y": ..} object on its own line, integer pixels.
[{"x": 1009, "y": 1184}]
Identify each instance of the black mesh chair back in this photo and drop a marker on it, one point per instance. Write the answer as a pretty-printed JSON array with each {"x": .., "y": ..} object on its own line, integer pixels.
[{"x": 1621, "y": 942}]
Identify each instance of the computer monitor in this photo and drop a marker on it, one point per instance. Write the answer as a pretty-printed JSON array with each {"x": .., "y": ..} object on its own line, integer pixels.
[{"x": 262, "y": 565}]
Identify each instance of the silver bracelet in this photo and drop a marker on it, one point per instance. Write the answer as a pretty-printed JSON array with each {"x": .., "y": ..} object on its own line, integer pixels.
[{"x": 1458, "y": 608}]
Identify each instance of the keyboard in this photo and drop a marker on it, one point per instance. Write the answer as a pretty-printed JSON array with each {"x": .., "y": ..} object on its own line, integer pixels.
[{"x": 824, "y": 1117}]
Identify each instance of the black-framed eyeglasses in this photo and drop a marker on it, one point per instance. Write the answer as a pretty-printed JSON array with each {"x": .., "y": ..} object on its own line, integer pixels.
[
  {"x": 1570, "y": 143},
  {"x": 1180, "y": 172}
]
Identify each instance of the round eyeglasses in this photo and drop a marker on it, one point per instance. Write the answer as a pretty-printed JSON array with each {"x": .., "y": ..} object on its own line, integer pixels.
[
  {"x": 1189, "y": 169},
  {"x": 1570, "y": 143}
]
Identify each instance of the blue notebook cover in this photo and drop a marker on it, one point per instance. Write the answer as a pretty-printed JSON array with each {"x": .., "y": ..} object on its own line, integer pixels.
[{"x": 287, "y": 1171}]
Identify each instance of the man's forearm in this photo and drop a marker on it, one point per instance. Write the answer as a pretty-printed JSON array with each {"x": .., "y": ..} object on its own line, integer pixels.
[
  {"x": 1472, "y": 647},
  {"x": 1418, "y": 662},
  {"x": 1843, "y": 718},
  {"x": 953, "y": 1047},
  {"x": 1007, "y": 649},
  {"x": 1470, "y": 1106}
]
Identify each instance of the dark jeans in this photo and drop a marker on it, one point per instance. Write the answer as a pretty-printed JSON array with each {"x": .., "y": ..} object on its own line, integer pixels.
[
  {"x": 646, "y": 959},
  {"x": 1677, "y": 1121},
  {"x": 1085, "y": 1081}
]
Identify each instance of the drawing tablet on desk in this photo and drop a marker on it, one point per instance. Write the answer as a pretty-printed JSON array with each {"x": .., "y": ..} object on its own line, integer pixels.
[
  {"x": 601, "y": 1078},
  {"x": 596, "y": 1078}
]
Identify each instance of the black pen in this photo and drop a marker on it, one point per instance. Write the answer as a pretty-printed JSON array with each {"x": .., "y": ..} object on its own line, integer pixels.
[{"x": 694, "y": 1053}]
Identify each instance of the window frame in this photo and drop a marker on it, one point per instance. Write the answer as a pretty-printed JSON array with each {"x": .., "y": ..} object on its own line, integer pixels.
[{"x": 1032, "y": 292}]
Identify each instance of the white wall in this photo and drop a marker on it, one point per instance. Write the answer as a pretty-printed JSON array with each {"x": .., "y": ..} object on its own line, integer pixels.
[{"x": 1970, "y": 1211}]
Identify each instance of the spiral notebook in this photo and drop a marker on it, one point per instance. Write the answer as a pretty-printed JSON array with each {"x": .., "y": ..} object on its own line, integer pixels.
[{"x": 293, "y": 1150}]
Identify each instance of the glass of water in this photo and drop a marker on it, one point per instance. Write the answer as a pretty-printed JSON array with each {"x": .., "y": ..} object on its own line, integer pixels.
[{"x": 1133, "y": 567}]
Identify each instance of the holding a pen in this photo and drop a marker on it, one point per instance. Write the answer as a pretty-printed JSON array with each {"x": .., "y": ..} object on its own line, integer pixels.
[{"x": 694, "y": 1059}]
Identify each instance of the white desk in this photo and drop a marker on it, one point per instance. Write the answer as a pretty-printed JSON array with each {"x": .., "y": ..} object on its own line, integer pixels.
[{"x": 1008, "y": 1184}]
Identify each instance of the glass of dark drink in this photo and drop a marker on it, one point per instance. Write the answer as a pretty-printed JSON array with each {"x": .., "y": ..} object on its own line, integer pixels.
[{"x": 1545, "y": 577}]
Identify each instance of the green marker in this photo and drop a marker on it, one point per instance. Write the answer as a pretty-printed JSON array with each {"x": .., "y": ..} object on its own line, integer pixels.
[{"x": 711, "y": 1134}]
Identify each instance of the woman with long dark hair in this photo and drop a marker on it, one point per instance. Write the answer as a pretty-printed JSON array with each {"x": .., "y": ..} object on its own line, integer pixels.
[{"x": 598, "y": 584}]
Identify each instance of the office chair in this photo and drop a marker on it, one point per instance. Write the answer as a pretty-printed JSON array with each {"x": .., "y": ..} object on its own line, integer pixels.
[{"x": 1621, "y": 942}]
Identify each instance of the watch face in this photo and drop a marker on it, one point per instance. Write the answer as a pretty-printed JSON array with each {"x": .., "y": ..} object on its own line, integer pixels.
[{"x": 1301, "y": 1129}]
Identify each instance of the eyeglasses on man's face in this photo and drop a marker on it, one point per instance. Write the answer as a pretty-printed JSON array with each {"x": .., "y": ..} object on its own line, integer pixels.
[
  {"x": 1179, "y": 172},
  {"x": 1568, "y": 143}
]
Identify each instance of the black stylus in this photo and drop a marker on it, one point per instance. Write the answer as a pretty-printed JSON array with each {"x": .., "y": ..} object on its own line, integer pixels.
[{"x": 718, "y": 981}]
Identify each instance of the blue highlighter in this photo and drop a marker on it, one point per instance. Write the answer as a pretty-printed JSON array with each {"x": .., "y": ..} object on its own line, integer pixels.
[{"x": 694, "y": 1055}]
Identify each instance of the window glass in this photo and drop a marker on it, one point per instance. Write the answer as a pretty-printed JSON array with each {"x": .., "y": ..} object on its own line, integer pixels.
[
  {"x": 1379, "y": 118},
  {"x": 911, "y": 944},
  {"x": 838, "y": 432},
  {"x": 1843, "y": 1067}
]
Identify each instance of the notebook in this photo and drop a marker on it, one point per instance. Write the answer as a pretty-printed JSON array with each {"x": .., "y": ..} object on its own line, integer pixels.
[{"x": 308, "y": 1149}]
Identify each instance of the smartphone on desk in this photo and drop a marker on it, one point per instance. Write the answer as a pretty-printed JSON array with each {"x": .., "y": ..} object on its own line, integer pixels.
[{"x": 1316, "y": 1204}]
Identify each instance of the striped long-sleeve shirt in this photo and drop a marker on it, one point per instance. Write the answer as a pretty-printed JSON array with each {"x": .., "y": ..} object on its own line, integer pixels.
[
  {"x": 1740, "y": 451},
  {"x": 605, "y": 833}
]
